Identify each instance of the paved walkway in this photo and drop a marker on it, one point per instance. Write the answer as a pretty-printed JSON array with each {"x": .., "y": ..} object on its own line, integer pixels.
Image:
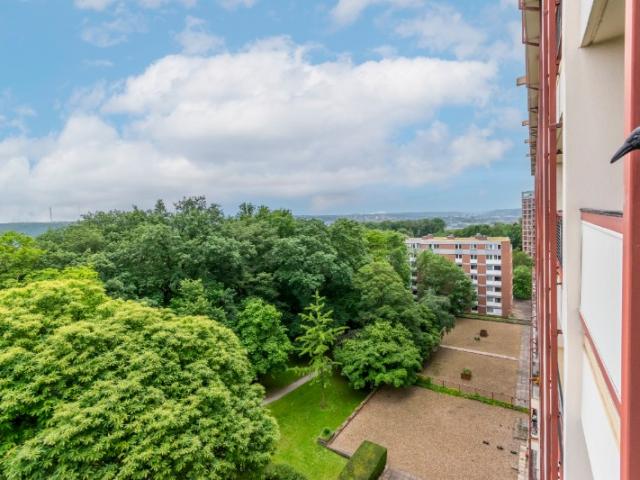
[
  {"x": 488, "y": 354},
  {"x": 278, "y": 394}
]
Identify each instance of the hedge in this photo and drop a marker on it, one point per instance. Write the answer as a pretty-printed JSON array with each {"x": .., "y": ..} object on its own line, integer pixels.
[
  {"x": 281, "y": 471},
  {"x": 366, "y": 464}
]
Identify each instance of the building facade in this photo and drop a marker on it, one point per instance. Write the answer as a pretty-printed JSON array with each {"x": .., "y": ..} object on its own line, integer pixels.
[
  {"x": 485, "y": 260},
  {"x": 528, "y": 223},
  {"x": 583, "y": 99}
]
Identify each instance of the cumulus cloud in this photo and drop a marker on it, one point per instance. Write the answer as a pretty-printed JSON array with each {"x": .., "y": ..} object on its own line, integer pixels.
[
  {"x": 264, "y": 122},
  {"x": 195, "y": 39}
]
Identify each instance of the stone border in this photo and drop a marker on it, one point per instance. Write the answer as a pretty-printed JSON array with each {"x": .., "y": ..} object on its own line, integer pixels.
[{"x": 326, "y": 443}]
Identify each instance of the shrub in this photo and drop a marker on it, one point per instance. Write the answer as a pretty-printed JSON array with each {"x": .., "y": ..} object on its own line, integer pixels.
[
  {"x": 282, "y": 471},
  {"x": 326, "y": 434},
  {"x": 367, "y": 463}
]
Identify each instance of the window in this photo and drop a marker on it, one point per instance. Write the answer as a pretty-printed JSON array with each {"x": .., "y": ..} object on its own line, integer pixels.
[
  {"x": 474, "y": 276},
  {"x": 497, "y": 267},
  {"x": 497, "y": 289},
  {"x": 497, "y": 279},
  {"x": 474, "y": 246},
  {"x": 474, "y": 257},
  {"x": 489, "y": 310},
  {"x": 474, "y": 267},
  {"x": 458, "y": 246},
  {"x": 458, "y": 256}
]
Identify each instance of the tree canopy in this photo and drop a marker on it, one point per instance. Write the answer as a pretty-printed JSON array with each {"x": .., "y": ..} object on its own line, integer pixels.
[
  {"x": 380, "y": 353},
  {"x": 99, "y": 388},
  {"x": 522, "y": 286},
  {"x": 444, "y": 278}
]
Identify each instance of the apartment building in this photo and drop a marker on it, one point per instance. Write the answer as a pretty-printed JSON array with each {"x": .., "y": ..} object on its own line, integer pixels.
[
  {"x": 528, "y": 223},
  {"x": 583, "y": 99},
  {"x": 486, "y": 260}
]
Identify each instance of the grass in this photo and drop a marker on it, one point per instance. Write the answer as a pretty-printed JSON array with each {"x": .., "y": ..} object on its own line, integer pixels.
[
  {"x": 302, "y": 420},
  {"x": 425, "y": 382}
]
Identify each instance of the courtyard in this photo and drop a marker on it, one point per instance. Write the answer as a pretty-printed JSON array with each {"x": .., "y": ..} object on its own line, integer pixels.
[{"x": 436, "y": 436}]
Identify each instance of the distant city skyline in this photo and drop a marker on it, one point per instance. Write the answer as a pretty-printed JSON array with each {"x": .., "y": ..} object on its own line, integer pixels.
[{"x": 330, "y": 106}]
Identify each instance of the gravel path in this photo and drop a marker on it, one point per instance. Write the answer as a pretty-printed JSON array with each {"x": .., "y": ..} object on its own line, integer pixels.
[
  {"x": 435, "y": 436},
  {"x": 278, "y": 394},
  {"x": 478, "y": 352}
]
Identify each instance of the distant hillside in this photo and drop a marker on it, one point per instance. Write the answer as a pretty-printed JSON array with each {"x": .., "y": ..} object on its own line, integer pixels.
[
  {"x": 452, "y": 219},
  {"x": 33, "y": 229}
]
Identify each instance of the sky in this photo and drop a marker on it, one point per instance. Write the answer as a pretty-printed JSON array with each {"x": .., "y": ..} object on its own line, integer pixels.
[{"x": 318, "y": 106}]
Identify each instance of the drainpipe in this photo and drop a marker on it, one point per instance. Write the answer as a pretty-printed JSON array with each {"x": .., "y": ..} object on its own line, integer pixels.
[{"x": 630, "y": 405}]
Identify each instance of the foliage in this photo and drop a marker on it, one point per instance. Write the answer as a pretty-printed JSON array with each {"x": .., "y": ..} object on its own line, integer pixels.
[
  {"x": 389, "y": 246},
  {"x": 98, "y": 388},
  {"x": 282, "y": 471},
  {"x": 522, "y": 287},
  {"x": 300, "y": 419},
  {"x": 445, "y": 278},
  {"x": 511, "y": 230},
  {"x": 384, "y": 296},
  {"x": 191, "y": 299},
  {"x": 19, "y": 255},
  {"x": 317, "y": 341},
  {"x": 441, "y": 308},
  {"x": 521, "y": 259},
  {"x": 426, "y": 382},
  {"x": 259, "y": 327},
  {"x": 380, "y": 354},
  {"x": 414, "y": 228},
  {"x": 367, "y": 463}
]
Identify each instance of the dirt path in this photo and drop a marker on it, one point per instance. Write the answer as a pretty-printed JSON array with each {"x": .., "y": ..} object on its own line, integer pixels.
[{"x": 278, "y": 394}]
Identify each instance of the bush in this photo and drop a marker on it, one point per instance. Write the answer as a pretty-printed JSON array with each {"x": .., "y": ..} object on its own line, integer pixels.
[
  {"x": 282, "y": 471},
  {"x": 326, "y": 434},
  {"x": 366, "y": 464}
]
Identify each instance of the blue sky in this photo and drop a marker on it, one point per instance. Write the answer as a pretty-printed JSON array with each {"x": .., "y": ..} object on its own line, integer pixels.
[{"x": 333, "y": 106}]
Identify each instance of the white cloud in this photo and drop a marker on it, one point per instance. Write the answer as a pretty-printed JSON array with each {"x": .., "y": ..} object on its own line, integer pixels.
[
  {"x": 263, "y": 122},
  {"x": 115, "y": 31},
  {"x": 232, "y": 4},
  {"x": 98, "y": 5},
  {"x": 442, "y": 29},
  {"x": 346, "y": 12},
  {"x": 195, "y": 39}
]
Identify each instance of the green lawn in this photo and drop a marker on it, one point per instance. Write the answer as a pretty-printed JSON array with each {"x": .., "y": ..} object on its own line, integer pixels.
[
  {"x": 278, "y": 380},
  {"x": 301, "y": 420}
]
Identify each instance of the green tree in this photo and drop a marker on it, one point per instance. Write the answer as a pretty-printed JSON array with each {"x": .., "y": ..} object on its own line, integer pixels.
[
  {"x": 318, "y": 338},
  {"x": 444, "y": 278},
  {"x": 380, "y": 354},
  {"x": 521, "y": 259},
  {"x": 441, "y": 308},
  {"x": 389, "y": 246},
  {"x": 19, "y": 255},
  {"x": 259, "y": 327},
  {"x": 99, "y": 388},
  {"x": 522, "y": 283}
]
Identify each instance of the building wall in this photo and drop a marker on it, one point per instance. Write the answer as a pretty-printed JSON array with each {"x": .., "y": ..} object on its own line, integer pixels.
[{"x": 479, "y": 269}]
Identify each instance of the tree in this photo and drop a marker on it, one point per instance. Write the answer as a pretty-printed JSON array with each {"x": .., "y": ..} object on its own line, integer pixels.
[
  {"x": 520, "y": 259},
  {"x": 441, "y": 308},
  {"x": 389, "y": 246},
  {"x": 99, "y": 388},
  {"x": 259, "y": 327},
  {"x": 444, "y": 278},
  {"x": 380, "y": 354},
  {"x": 18, "y": 256},
  {"x": 319, "y": 336},
  {"x": 383, "y": 294},
  {"x": 193, "y": 299},
  {"x": 522, "y": 287}
]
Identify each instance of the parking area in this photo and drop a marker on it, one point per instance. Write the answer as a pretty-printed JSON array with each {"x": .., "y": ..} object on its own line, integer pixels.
[{"x": 436, "y": 436}]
